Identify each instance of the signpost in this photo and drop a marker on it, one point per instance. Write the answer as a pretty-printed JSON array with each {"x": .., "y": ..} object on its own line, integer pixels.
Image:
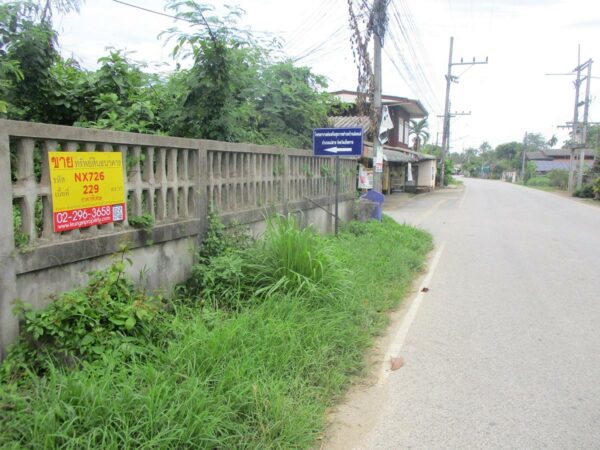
[
  {"x": 88, "y": 188},
  {"x": 336, "y": 142}
]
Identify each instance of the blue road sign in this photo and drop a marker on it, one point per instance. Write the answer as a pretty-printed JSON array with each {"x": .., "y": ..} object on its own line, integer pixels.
[{"x": 337, "y": 141}]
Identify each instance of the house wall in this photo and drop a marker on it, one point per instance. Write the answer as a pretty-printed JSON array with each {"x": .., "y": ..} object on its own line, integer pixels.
[
  {"x": 174, "y": 180},
  {"x": 394, "y": 137},
  {"x": 427, "y": 174}
]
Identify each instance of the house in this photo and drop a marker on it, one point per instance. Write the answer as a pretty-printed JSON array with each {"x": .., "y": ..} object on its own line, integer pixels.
[
  {"x": 547, "y": 160},
  {"x": 403, "y": 168}
]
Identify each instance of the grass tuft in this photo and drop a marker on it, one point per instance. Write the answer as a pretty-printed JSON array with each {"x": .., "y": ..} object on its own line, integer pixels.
[{"x": 258, "y": 377}]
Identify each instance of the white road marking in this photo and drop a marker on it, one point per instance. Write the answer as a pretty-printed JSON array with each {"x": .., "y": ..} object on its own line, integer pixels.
[
  {"x": 464, "y": 197},
  {"x": 398, "y": 342}
]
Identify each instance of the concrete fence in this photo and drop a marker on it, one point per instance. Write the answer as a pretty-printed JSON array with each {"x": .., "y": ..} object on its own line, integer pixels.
[{"x": 173, "y": 180}]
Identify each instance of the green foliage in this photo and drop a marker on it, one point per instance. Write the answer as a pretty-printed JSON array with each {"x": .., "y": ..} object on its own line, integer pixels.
[
  {"x": 219, "y": 240},
  {"x": 539, "y": 181},
  {"x": 418, "y": 129},
  {"x": 290, "y": 102},
  {"x": 290, "y": 260},
  {"x": 21, "y": 239},
  {"x": 586, "y": 191},
  {"x": 559, "y": 179},
  {"x": 110, "y": 315},
  {"x": 234, "y": 90},
  {"x": 596, "y": 187},
  {"x": 144, "y": 222},
  {"x": 262, "y": 378},
  {"x": 510, "y": 151}
]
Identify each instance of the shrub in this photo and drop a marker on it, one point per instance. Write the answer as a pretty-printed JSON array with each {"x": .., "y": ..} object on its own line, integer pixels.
[
  {"x": 108, "y": 315},
  {"x": 584, "y": 192},
  {"x": 596, "y": 188},
  {"x": 290, "y": 260},
  {"x": 222, "y": 281},
  {"x": 539, "y": 181},
  {"x": 559, "y": 178}
]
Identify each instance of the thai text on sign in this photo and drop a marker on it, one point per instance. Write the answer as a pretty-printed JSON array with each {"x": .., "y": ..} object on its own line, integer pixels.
[{"x": 88, "y": 188}]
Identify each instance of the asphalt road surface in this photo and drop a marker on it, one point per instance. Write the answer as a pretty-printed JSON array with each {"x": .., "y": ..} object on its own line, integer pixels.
[{"x": 503, "y": 351}]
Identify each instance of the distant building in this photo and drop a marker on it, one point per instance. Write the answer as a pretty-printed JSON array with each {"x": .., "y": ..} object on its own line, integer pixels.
[
  {"x": 548, "y": 160},
  {"x": 399, "y": 157}
]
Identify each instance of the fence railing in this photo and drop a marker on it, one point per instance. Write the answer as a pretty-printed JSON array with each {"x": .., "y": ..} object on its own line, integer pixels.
[{"x": 172, "y": 181}]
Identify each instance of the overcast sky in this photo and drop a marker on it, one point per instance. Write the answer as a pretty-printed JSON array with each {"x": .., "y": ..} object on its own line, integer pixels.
[{"x": 523, "y": 39}]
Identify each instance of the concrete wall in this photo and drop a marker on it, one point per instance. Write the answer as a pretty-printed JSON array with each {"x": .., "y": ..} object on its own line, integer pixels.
[
  {"x": 174, "y": 180},
  {"x": 427, "y": 174}
]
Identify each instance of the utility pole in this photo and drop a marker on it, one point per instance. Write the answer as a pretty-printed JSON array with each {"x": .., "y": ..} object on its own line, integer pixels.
[
  {"x": 523, "y": 158},
  {"x": 586, "y": 108},
  {"x": 450, "y": 115},
  {"x": 380, "y": 20},
  {"x": 578, "y": 130},
  {"x": 575, "y": 131},
  {"x": 446, "y": 128}
]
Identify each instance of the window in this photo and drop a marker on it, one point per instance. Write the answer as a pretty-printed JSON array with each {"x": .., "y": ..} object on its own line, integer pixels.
[{"x": 401, "y": 130}]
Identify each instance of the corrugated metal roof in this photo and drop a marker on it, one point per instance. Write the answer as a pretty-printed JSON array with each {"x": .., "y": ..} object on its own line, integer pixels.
[
  {"x": 392, "y": 154},
  {"x": 351, "y": 121},
  {"x": 567, "y": 153},
  {"x": 547, "y": 166},
  {"x": 395, "y": 156},
  {"x": 531, "y": 156},
  {"x": 413, "y": 107}
]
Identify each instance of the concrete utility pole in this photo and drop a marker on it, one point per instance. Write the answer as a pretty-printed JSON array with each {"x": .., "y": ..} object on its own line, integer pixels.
[
  {"x": 380, "y": 11},
  {"x": 523, "y": 158},
  {"x": 586, "y": 109},
  {"x": 578, "y": 130},
  {"x": 446, "y": 129}
]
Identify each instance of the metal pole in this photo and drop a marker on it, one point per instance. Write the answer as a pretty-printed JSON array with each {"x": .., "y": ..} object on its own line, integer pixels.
[
  {"x": 337, "y": 191},
  {"x": 446, "y": 115}
]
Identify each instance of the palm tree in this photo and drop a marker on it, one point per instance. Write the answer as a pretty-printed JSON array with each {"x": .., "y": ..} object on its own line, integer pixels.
[{"x": 419, "y": 130}]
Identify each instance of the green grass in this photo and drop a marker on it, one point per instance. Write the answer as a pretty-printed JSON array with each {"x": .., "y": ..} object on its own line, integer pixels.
[{"x": 261, "y": 377}]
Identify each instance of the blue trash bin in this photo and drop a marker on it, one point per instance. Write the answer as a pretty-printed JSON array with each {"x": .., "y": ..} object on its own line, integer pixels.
[{"x": 375, "y": 197}]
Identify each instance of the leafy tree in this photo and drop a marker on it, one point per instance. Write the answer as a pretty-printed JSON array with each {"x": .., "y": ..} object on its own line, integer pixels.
[
  {"x": 552, "y": 141},
  {"x": 485, "y": 147},
  {"x": 291, "y": 103},
  {"x": 418, "y": 129},
  {"x": 534, "y": 141},
  {"x": 510, "y": 151}
]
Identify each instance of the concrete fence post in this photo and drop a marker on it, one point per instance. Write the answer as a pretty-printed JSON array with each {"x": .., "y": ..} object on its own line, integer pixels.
[
  {"x": 200, "y": 178},
  {"x": 9, "y": 324},
  {"x": 285, "y": 182}
]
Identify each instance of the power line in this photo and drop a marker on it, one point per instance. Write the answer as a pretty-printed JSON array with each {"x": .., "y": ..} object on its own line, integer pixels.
[{"x": 155, "y": 12}]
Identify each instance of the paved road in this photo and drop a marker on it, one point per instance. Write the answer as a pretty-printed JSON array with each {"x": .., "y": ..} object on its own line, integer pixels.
[{"x": 504, "y": 351}]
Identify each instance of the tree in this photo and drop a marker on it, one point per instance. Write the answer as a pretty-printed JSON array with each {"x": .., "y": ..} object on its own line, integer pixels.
[
  {"x": 485, "y": 147},
  {"x": 291, "y": 102},
  {"x": 27, "y": 56},
  {"x": 534, "y": 141},
  {"x": 509, "y": 151},
  {"x": 552, "y": 141},
  {"x": 418, "y": 129}
]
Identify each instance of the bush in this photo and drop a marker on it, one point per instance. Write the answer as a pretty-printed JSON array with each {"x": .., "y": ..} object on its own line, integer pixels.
[
  {"x": 584, "y": 192},
  {"x": 290, "y": 260},
  {"x": 221, "y": 282},
  {"x": 559, "y": 179},
  {"x": 109, "y": 315},
  {"x": 539, "y": 181},
  {"x": 596, "y": 188}
]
